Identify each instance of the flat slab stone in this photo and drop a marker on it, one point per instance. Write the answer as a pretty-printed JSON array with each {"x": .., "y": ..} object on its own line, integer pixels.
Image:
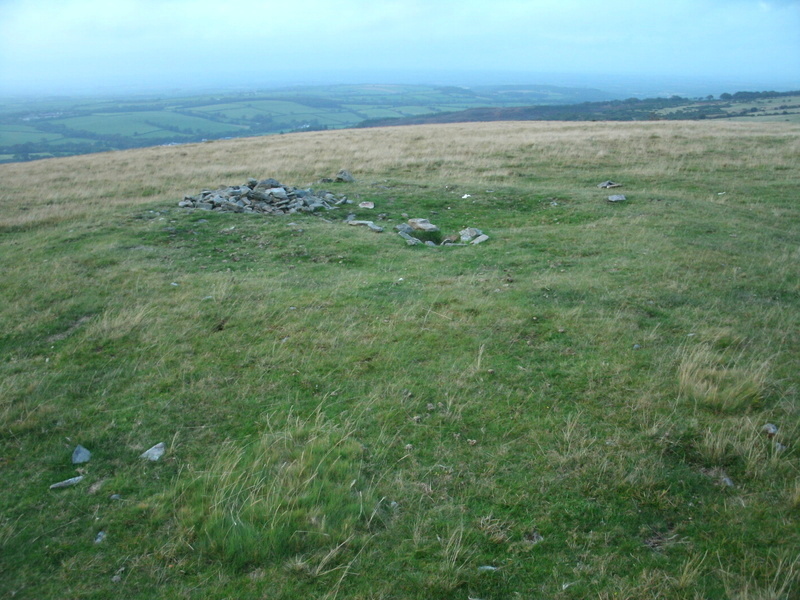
[
  {"x": 67, "y": 482},
  {"x": 422, "y": 225},
  {"x": 617, "y": 198},
  {"x": 370, "y": 224},
  {"x": 155, "y": 452}
]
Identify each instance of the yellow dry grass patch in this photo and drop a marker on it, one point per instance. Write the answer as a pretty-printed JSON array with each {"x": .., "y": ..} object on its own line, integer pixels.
[{"x": 478, "y": 153}]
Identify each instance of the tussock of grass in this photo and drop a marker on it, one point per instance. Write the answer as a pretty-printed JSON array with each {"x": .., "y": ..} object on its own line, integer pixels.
[
  {"x": 296, "y": 491},
  {"x": 724, "y": 384}
]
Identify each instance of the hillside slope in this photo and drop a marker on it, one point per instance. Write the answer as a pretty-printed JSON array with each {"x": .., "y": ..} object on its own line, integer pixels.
[{"x": 600, "y": 401}]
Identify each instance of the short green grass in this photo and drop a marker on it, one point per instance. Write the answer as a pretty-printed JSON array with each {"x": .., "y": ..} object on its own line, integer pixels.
[{"x": 555, "y": 413}]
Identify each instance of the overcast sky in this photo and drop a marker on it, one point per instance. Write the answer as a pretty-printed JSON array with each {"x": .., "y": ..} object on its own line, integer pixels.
[{"x": 73, "y": 45}]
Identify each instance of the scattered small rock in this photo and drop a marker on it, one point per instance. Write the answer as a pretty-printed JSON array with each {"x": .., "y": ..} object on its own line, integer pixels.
[
  {"x": 115, "y": 497},
  {"x": 422, "y": 225},
  {"x": 67, "y": 482},
  {"x": 366, "y": 205},
  {"x": 480, "y": 239},
  {"x": 487, "y": 569},
  {"x": 617, "y": 198},
  {"x": 344, "y": 176},
  {"x": 609, "y": 184},
  {"x": 80, "y": 455},
  {"x": 155, "y": 452},
  {"x": 770, "y": 429},
  {"x": 370, "y": 224},
  {"x": 410, "y": 239},
  {"x": 101, "y": 535},
  {"x": 533, "y": 537},
  {"x": 469, "y": 234}
]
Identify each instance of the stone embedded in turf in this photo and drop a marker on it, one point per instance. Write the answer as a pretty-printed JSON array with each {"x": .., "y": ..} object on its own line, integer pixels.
[
  {"x": 770, "y": 429},
  {"x": 155, "y": 452},
  {"x": 470, "y": 233},
  {"x": 423, "y": 225},
  {"x": 344, "y": 176},
  {"x": 370, "y": 224},
  {"x": 80, "y": 455},
  {"x": 67, "y": 482},
  {"x": 617, "y": 198}
]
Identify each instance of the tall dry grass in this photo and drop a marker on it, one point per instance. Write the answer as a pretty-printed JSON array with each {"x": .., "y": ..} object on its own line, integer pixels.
[{"x": 473, "y": 153}]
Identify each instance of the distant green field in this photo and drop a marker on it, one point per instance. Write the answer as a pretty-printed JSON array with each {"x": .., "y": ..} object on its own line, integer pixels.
[
  {"x": 21, "y": 134},
  {"x": 141, "y": 123},
  {"x": 64, "y": 126}
]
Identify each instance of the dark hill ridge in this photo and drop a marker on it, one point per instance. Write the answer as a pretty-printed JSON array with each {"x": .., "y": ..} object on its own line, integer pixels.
[{"x": 632, "y": 109}]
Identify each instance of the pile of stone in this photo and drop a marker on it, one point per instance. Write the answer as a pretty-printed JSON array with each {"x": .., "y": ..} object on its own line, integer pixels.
[
  {"x": 410, "y": 230},
  {"x": 267, "y": 196}
]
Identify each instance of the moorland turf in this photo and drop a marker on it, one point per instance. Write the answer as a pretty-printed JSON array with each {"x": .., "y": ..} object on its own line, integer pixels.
[{"x": 572, "y": 409}]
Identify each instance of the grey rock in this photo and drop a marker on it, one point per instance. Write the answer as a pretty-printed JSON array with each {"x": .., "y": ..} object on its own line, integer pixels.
[
  {"x": 80, "y": 455},
  {"x": 278, "y": 192},
  {"x": 155, "y": 452},
  {"x": 770, "y": 429},
  {"x": 115, "y": 497},
  {"x": 345, "y": 176},
  {"x": 469, "y": 234},
  {"x": 101, "y": 535},
  {"x": 480, "y": 239},
  {"x": 404, "y": 228},
  {"x": 727, "y": 481},
  {"x": 67, "y": 482},
  {"x": 617, "y": 198},
  {"x": 609, "y": 184},
  {"x": 204, "y": 206},
  {"x": 370, "y": 224},
  {"x": 410, "y": 240},
  {"x": 268, "y": 183},
  {"x": 422, "y": 225}
]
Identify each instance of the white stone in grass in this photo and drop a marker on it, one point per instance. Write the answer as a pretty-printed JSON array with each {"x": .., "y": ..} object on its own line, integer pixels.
[
  {"x": 480, "y": 239},
  {"x": 770, "y": 429},
  {"x": 67, "y": 482},
  {"x": 155, "y": 452},
  {"x": 370, "y": 224},
  {"x": 617, "y": 198}
]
